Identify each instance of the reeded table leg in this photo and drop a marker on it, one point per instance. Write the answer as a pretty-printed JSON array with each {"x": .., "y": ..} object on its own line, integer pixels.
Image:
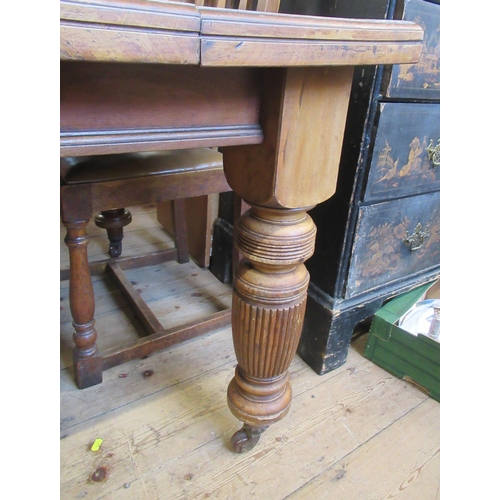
[
  {"x": 293, "y": 169},
  {"x": 86, "y": 360},
  {"x": 269, "y": 302}
]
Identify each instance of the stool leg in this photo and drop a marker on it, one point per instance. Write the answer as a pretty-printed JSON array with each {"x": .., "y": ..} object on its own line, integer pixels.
[
  {"x": 87, "y": 362},
  {"x": 180, "y": 231},
  {"x": 114, "y": 221}
]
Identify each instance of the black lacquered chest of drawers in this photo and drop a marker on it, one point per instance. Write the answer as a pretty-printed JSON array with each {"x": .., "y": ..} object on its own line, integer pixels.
[{"x": 379, "y": 235}]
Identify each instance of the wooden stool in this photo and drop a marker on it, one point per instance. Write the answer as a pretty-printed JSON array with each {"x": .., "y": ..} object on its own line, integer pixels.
[{"x": 106, "y": 184}]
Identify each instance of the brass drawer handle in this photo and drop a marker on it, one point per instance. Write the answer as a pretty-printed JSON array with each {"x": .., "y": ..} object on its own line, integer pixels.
[
  {"x": 434, "y": 153},
  {"x": 415, "y": 240}
]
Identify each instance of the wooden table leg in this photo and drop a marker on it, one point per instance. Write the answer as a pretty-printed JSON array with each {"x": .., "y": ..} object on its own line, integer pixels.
[
  {"x": 269, "y": 300},
  {"x": 87, "y": 362},
  {"x": 292, "y": 170}
]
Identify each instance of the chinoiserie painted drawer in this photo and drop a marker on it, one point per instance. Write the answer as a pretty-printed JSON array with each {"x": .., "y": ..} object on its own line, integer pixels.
[
  {"x": 405, "y": 156},
  {"x": 393, "y": 240},
  {"x": 420, "y": 80}
]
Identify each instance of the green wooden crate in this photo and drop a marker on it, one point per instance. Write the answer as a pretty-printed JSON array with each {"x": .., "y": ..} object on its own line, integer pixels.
[{"x": 413, "y": 358}]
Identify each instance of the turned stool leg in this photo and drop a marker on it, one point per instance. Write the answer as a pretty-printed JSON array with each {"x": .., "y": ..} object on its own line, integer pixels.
[
  {"x": 269, "y": 300},
  {"x": 87, "y": 362},
  {"x": 114, "y": 221}
]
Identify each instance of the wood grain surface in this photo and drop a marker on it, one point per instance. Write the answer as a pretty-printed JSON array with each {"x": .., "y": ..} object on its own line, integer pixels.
[{"x": 166, "y": 435}]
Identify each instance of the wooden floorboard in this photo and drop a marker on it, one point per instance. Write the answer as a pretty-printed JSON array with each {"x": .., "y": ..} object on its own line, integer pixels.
[{"x": 354, "y": 433}]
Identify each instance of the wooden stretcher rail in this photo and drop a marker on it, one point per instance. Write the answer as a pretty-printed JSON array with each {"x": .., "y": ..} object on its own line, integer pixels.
[{"x": 165, "y": 338}]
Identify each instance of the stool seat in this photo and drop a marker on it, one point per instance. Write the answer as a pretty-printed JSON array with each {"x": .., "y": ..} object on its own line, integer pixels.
[{"x": 94, "y": 169}]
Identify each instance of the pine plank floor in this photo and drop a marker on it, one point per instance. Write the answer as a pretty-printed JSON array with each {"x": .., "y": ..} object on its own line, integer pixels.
[{"x": 355, "y": 433}]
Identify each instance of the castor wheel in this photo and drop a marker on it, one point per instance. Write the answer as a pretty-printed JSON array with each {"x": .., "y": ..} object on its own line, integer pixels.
[
  {"x": 246, "y": 438},
  {"x": 115, "y": 248},
  {"x": 114, "y": 221}
]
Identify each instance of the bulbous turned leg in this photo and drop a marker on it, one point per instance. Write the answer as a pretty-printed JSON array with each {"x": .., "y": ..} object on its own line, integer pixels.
[
  {"x": 87, "y": 362},
  {"x": 114, "y": 221},
  {"x": 269, "y": 300}
]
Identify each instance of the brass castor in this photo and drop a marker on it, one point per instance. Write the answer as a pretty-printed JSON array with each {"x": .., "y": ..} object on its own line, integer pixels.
[
  {"x": 115, "y": 247},
  {"x": 114, "y": 221},
  {"x": 246, "y": 438}
]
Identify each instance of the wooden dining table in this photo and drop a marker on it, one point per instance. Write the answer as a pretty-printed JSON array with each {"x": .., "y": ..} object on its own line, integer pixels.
[{"x": 271, "y": 91}]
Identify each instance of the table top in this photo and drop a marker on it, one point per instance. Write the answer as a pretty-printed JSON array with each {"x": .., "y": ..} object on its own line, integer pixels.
[
  {"x": 171, "y": 75},
  {"x": 146, "y": 31}
]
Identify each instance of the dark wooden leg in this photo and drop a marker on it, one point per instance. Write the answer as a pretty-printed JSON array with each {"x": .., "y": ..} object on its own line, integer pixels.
[
  {"x": 268, "y": 311},
  {"x": 223, "y": 250},
  {"x": 180, "y": 225},
  {"x": 114, "y": 221},
  {"x": 87, "y": 362}
]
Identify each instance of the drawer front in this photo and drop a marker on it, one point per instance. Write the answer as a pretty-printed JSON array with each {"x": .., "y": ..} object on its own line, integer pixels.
[
  {"x": 404, "y": 159},
  {"x": 420, "y": 80},
  {"x": 393, "y": 240}
]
